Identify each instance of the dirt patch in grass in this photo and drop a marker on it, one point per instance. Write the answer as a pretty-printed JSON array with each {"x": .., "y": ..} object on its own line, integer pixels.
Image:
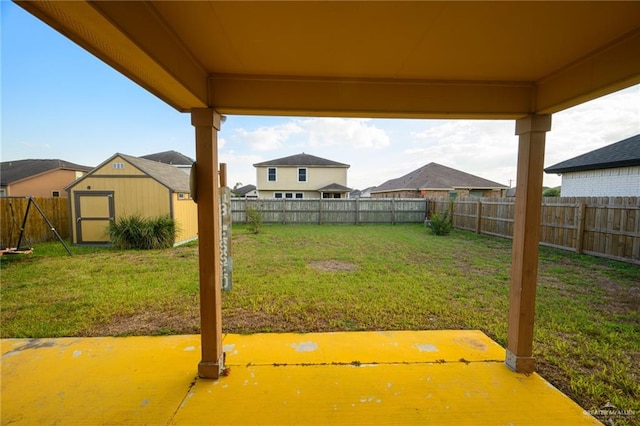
[
  {"x": 333, "y": 266},
  {"x": 150, "y": 323}
]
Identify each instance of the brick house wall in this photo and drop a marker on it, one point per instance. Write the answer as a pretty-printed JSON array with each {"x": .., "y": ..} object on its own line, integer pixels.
[{"x": 618, "y": 182}]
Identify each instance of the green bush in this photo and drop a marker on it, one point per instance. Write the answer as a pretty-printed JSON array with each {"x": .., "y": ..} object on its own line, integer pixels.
[
  {"x": 551, "y": 192},
  {"x": 135, "y": 232},
  {"x": 254, "y": 220},
  {"x": 440, "y": 224}
]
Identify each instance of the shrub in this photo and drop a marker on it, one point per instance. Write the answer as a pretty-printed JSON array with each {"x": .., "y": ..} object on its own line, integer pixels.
[
  {"x": 254, "y": 220},
  {"x": 551, "y": 192},
  {"x": 440, "y": 224},
  {"x": 135, "y": 232}
]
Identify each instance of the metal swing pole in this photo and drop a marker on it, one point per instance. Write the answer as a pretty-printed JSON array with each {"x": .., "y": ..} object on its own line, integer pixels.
[{"x": 53, "y": 229}]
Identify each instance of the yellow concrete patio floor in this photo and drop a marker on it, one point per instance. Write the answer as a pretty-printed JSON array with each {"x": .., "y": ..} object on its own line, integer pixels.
[{"x": 353, "y": 378}]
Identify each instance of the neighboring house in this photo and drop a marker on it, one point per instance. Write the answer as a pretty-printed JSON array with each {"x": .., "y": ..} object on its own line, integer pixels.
[
  {"x": 125, "y": 186},
  {"x": 611, "y": 171},
  {"x": 435, "y": 180},
  {"x": 365, "y": 193},
  {"x": 247, "y": 191},
  {"x": 302, "y": 176},
  {"x": 38, "y": 178},
  {"x": 173, "y": 158}
]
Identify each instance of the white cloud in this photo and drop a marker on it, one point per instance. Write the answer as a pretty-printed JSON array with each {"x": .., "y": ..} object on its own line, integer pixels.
[
  {"x": 354, "y": 133},
  {"x": 268, "y": 138},
  {"x": 484, "y": 148},
  {"x": 240, "y": 167}
]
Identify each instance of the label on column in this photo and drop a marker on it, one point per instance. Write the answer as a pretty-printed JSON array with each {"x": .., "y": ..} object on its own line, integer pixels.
[{"x": 226, "y": 264}]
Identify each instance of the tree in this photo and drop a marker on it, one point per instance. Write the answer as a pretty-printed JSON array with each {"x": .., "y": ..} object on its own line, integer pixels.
[{"x": 551, "y": 192}]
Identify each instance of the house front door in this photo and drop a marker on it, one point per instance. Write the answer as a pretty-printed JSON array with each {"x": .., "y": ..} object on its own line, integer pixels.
[{"x": 94, "y": 212}]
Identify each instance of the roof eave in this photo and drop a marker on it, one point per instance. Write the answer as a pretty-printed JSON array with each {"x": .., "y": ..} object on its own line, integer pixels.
[{"x": 599, "y": 166}]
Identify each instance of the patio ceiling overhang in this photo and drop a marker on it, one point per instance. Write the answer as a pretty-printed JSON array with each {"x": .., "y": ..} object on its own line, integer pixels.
[
  {"x": 371, "y": 59},
  {"x": 501, "y": 60}
]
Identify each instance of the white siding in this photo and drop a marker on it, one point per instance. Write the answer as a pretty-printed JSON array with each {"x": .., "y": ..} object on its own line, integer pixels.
[{"x": 619, "y": 182}]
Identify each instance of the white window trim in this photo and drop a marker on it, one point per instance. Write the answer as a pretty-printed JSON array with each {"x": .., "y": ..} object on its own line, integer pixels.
[
  {"x": 306, "y": 174},
  {"x": 275, "y": 170}
]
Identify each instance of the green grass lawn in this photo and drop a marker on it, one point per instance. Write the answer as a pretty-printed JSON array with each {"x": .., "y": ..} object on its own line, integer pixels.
[{"x": 336, "y": 278}]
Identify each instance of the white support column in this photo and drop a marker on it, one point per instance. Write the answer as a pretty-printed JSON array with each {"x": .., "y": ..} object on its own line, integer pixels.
[
  {"x": 526, "y": 236},
  {"x": 207, "y": 123}
]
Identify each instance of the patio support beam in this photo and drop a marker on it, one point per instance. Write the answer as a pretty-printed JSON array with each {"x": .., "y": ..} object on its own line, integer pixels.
[
  {"x": 526, "y": 236},
  {"x": 207, "y": 123}
]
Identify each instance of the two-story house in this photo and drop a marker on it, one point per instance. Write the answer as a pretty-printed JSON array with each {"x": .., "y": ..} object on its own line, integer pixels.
[{"x": 302, "y": 176}]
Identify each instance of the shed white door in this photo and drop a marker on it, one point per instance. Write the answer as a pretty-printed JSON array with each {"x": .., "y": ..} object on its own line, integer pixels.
[{"x": 94, "y": 213}]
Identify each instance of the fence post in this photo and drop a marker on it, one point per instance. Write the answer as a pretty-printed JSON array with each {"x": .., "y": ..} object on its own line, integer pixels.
[
  {"x": 284, "y": 211},
  {"x": 393, "y": 211},
  {"x": 319, "y": 211},
  {"x": 478, "y": 215},
  {"x": 580, "y": 231}
]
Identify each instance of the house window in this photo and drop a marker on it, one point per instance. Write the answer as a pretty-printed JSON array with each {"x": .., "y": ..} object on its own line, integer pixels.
[
  {"x": 299, "y": 195},
  {"x": 302, "y": 175},
  {"x": 79, "y": 174},
  {"x": 3, "y": 192},
  {"x": 55, "y": 193},
  {"x": 271, "y": 174},
  {"x": 288, "y": 195},
  {"x": 277, "y": 194},
  {"x": 118, "y": 166},
  {"x": 182, "y": 196}
]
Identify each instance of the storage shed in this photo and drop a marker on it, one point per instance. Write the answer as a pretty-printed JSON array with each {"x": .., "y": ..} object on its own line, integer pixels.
[{"x": 123, "y": 186}]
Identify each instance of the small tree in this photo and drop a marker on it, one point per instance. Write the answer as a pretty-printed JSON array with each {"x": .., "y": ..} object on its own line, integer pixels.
[
  {"x": 440, "y": 224},
  {"x": 254, "y": 219}
]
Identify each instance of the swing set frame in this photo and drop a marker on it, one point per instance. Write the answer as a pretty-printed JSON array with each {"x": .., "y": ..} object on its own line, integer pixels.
[{"x": 28, "y": 250}]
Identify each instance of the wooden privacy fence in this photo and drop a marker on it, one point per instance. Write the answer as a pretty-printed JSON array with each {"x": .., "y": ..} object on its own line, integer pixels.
[
  {"x": 332, "y": 211},
  {"x": 13, "y": 209},
  {"x": 600, "y": 226}
]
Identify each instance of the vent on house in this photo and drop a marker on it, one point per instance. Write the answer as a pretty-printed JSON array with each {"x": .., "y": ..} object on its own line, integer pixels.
[{"x": 118, "y": 165}]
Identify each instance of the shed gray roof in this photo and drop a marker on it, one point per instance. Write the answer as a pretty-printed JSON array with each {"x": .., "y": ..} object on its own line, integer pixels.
[
  {"x": 301, "y": 160},
  {"x": 624, "y": 153},
  {"x": 436, "y": 176},
  {"x": 170, "y": 176},
  {"x": 170, "y": 157},
  {"x": 14, "y": 171}
]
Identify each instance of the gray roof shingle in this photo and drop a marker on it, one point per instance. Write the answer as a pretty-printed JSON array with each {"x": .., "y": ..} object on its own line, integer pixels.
[
  {"x": 243, "y": 190},
  {"x": 301, "y": 160},
  {"x": 334, "y": 187},
  {"x": 170, "y": 157},
  {"x": 170, "y": 176},
  {"x": 14, "y": 171},
  {"x": 624, "y": 153},
  {"x": 436, "y": 176}
]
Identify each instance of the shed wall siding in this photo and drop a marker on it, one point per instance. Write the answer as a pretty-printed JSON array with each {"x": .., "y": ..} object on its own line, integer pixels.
[
  {"x": 138, "y": 195},
  {"x": 619, "y": 182},
  {"x": 109, "y": 170},
  {"x": 185, "y": 212}
]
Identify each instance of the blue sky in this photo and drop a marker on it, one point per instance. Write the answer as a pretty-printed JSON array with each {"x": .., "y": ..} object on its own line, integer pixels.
[{"x": 58, "y": 101}]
